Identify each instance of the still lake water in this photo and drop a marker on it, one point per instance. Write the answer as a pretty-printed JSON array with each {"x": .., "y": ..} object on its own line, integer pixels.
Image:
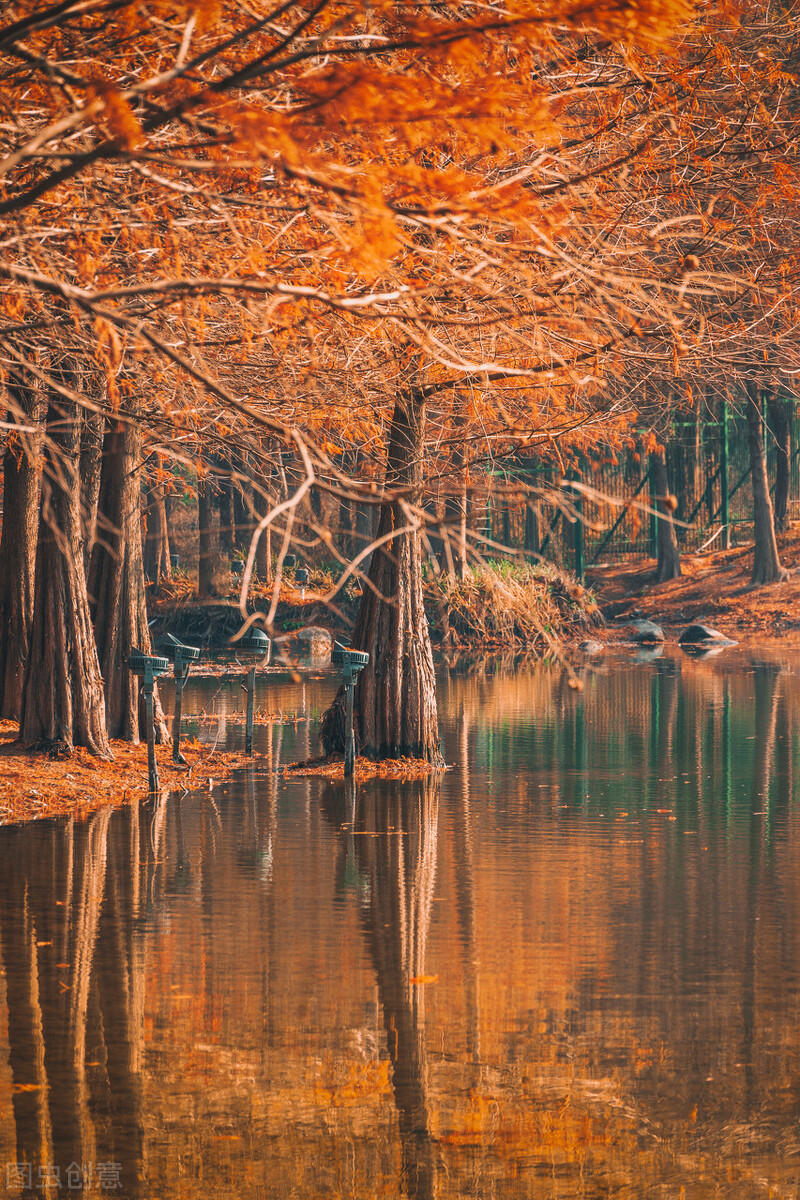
[{"x": 569, "y": 968}]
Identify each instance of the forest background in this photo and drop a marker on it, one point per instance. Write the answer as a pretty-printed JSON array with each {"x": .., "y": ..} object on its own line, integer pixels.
[{"x": 319, "y": 257}]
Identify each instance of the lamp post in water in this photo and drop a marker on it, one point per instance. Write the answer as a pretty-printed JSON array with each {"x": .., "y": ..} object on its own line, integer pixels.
[
  {"x": 256, "y": 642},
  {"x": 183, "y": 657},
  {"x": 148, "y": 667},
  {"x": 351, "y": 662}
]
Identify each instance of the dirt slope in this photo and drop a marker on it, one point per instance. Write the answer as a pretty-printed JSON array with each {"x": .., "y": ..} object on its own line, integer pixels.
[{"x": 714, "y": 588}]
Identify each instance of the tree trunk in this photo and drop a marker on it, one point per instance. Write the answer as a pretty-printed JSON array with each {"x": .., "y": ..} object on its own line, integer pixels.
[
  {"x": 766, "y": 563},
  {"x": 150, "y": 540},
  {"x": 455, "y": 505},
  {"x": 668, "y": 552},
  {"x": 395, "y": 702},
  {"x": 364, "y": 530},
  {"x": 155, "y": 549},
  {"x": 263, "y": 501},
  {"x": 227, "y": 517},
  {"x": 116, "y": 586},
  {"x": 18, "y": 544},
  {"x": 92, "y": 426},
  {"x": 206, "y": 556},
  {"x": 62, "y": 705},
  {"x": 163, "y": 557},
  {"x": 532, "y": 523},
  {"x": 779, "y": 422},
  {"x": 344, "y": 530},
  {"x": 315, "y": 503},
  {"x": 242, "y": 514}
]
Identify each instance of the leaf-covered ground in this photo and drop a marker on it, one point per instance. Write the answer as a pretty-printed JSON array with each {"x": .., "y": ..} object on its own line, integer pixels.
[
  {"x": 34, "y": 786},
  {"x": 714, "y": 588}
]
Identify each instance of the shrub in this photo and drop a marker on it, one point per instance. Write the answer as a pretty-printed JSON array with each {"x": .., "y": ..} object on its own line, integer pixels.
[{"x": 529, "y": 607}]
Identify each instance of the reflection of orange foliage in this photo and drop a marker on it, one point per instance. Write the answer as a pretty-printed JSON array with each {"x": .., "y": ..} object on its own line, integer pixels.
[
  {"x": 531, "y": 1125},
  {"x": 365, "y": 1081}
]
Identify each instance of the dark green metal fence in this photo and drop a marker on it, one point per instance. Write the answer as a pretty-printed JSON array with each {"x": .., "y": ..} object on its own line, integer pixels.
[{"x": 607, "y": 515}]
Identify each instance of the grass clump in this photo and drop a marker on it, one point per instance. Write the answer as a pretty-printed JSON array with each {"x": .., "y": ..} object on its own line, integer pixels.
[{"x": 533, "y": 608}]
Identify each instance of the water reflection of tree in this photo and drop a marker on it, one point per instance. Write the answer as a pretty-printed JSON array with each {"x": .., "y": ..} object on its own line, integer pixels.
[
  {"x": 461, "y": 834},
  {"x": 69, "y": 898},
  {"x": 767, "y": 690},
  {"x": 394, "y": 836}
]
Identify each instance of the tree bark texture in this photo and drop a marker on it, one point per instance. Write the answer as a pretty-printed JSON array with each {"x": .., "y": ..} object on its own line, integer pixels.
[
  {"x": 778, "y": 406},
  {"x": 455, "y": 505},
  {"x": 766, "y": 562},
  {"x": 242, "y": 514},
  {"x": 62, "y": 705},
  {"x": 92, "y": 428},
  {"x": 667, "y": 549},
  {"x": 263, "y": 502},
  {"x": 344, "y": 522},
  {"x": 116, "y": 585},
  {"x": 395, "y": 701},
  {"x": 227, "y": 516},
  {"x": 364, "y": 526},
  {"x": 156, "y": 550},
  {"x": 205, "y": 525},
  {"x": 18, "y": 543}
]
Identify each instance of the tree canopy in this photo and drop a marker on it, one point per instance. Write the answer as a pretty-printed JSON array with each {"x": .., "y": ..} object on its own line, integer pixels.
[{"x": 266, "y": 226}]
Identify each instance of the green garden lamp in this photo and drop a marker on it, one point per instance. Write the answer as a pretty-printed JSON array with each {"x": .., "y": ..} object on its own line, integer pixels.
[
  {"x": 255, "y": 643},
  {"x": 148, "y": 667},
  {"x": 182, "y": 657},
  {"x": 351, "y": 662}
]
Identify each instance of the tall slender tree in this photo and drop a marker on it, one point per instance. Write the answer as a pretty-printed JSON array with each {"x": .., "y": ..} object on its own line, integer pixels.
[
  {"x": 116, "y": 583},
  {"x": 396, "y": 711},
  {"x": 21, "y": 470},
  {"x": 668, "y": 564},
  {"x": 766, "y": 560},
  {"x": 62, "y": 703}
]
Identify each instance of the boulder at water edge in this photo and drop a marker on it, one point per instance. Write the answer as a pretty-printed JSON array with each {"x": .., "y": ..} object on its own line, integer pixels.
[
  {"x": 591, "y": 647},
  {"x": 647, "y": 632},
  {"x": 703, "y": 636}
]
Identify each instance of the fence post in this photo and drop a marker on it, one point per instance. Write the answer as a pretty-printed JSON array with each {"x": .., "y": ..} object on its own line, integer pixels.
[
  {"x": 531, "y": 529},
  {"x": 653, "y": 514},
  {"x": 724, "y": 481},
  {"x": 708, "y": 450},
  {"x": 577, "y": 503}
]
